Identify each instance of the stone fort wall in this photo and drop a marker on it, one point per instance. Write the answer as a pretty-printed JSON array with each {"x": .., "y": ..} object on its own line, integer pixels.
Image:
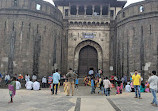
[
  {"x": 30, "y": 36},
  {"x": 136, "y": 42}
]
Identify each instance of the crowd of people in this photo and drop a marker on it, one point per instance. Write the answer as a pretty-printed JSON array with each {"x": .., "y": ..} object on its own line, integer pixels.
[
  {"x": 96, "y": 79},
  {"x": 14, "y": 83},
  {"x": 93, "y": 80},
  {"x": 134, "y": 84}
]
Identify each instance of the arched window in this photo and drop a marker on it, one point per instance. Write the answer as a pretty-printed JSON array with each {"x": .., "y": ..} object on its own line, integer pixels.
[
  {"x": 93, "y": 23},
  {"x": 71, "y": 22},
  {"x": 141, "y": 9},
  {"x": 84, "y": 23},
  {"x": 89, "y": 23},
  {"x": 80, "y": 23}
]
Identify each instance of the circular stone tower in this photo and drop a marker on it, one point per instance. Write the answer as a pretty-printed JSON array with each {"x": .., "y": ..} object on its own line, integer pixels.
[{"x": 30, "y": 36}]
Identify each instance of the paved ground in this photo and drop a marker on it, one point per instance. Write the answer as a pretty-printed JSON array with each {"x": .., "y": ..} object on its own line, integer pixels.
[
  {"x": 127, "y": 102},
  {"x": 42, "y": 100}
]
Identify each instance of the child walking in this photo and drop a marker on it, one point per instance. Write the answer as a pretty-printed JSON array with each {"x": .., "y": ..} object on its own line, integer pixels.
[
  {"x": 101, "y": 87},
  {"x": 147, "y": 90},
  {"x": 76, "y": 83},
  {"x": 65, "y": 84},
  {"x": 12, "y": 89},
  {"x": 92, "y": 85}
]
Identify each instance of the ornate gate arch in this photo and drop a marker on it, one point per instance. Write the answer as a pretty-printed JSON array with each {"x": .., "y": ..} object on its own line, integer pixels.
[{"x": 86, "y": 43}]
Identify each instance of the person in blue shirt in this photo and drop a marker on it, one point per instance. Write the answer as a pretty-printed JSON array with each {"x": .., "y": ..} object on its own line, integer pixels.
[
  {"x": 56, "y": 78},
  {"x": 0, "y": 77},
  {"x": 76, "y": 83},
  {"x": 92, "y": 85},
  {"x": 142, "y": 87}
]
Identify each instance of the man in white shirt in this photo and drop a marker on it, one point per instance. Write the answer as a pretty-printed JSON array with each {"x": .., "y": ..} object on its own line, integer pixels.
[
  {"x": 7, "y": 78},
  {"x": 128, "y": 87},
  {"x": 153, "y": 81},
  {"x": 107, "y": 86},
  {"x": 27, "y": 77},
  {"x": 34, "y": 77},
  {"x": 29, "y": 85},
  {"x": 44, "y": 81},
  {"x": 18, "y": 85},
  {"x": 36, "y": 86}
]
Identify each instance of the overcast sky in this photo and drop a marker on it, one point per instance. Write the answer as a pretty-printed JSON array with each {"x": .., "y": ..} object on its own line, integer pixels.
[
  {"x": 128, "y": 1},
  {"x": 132, "y": 1}
]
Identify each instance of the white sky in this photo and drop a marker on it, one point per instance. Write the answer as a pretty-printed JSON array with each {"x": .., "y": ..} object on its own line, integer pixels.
[
  {"x": 132, "y": 1},
  {"x": 128, "y": 1}
]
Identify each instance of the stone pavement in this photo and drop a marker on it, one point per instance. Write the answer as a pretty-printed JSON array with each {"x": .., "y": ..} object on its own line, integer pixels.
[
  {"x": 127, "y": 102},
  {"x": 26, "y": 100}
]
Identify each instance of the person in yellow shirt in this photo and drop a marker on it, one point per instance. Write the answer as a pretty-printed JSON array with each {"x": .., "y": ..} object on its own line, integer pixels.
[{"x": 136, "y": 79}]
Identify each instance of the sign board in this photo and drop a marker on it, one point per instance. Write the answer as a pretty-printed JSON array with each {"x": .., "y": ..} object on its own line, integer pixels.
[
  {"x": 88, "y": 35},
  {"x": 111, "y": 68}
]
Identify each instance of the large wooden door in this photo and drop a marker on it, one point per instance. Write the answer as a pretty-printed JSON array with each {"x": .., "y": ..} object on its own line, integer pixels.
[{"x": 88, "y": 58}]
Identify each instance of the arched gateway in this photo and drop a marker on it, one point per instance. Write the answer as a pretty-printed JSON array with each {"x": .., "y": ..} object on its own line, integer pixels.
[
  {"x": 88, "y": 58},
  {"x": 87, "y": 54}
]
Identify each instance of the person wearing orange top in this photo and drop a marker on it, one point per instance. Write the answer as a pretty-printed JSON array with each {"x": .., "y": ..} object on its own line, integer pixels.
[
  {"x": 20, "y": 77},
  {"x": 147, "y": 87}
]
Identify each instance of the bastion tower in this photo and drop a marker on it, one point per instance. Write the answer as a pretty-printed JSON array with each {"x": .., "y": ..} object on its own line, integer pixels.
[
  {"x": 88, "y": 26},
  {"x": 31, "y": 37}
]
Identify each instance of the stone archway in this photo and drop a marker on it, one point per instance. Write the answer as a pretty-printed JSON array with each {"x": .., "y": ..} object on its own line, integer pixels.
[
  {"x": 88, "y": 58},
  {"x": 84, "y": 44}
]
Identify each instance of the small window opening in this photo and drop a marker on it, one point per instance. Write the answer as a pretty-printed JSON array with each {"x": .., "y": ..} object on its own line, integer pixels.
[
  {"x": 123, "y": 14},
  {"x": 150, "y": 30},
  {"x": 111, "y": 13},
  {"x": 15, "y": 2},
  {"x": 81, "y": 10},
  {"x": 141, "y": 9},
  {"x": 96, "y": 11},
  {"x": 73, "y": 10},
  {"x": 38, "y": 7},
  {"x": 89, "y": 10},
  {"x": 66, "y": 12},
  {"x": 105, "y": 10}
]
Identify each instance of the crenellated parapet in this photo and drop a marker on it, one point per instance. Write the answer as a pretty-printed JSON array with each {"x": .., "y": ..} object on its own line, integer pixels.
[
  {"x": 138, "y": 9},
  {"x": 30, "y": 7}
]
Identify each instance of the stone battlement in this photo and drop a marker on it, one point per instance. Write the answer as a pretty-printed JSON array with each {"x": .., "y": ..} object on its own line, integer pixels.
[
  {"x": 33, "y": 6},
  {"x": 138, "y": 9}
]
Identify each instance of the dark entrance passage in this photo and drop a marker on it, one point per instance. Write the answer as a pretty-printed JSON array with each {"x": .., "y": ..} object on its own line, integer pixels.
[{"x": 88, "y": 58}]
